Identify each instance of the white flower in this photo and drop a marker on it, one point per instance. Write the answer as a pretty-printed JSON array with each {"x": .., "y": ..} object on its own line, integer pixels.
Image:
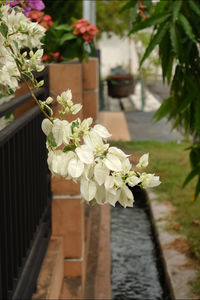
[
  {"x": 118, "y": 152},
  {"x": 149, "y": 180},
  {"x": 93, "y": 140},
  {"x": 109, "y": 183},
  {"x": 100, "y": 172},
  {"x": 100, "y": 195},
  {"x": 88, "y": 189},
  {"x": 112, "y": 162},
  {"x": 119, "y": 182},
  {"x": 85, "y": 125},
  {"x": 133, "y": 180},
  {"x": 88, "y": 172},
  {"x": 143, "y": 161},
  {"x": 101, "y": 131},
  {"x": 112, "y": 198},
  {"x": 75, "y": 167},
  {"x": 126, "y": 197},
  {"x": 76, "y": 108},
  {"x": 126, "y": 165},
  {"x": 55, "y": 162},
  {"x": 85, "y": 154},
  {"x": 47, "y": 126},
  {"x": 61, "y": 131}
]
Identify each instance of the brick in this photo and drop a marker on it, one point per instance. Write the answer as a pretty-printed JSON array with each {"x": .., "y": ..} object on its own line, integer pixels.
[
  {"x": 61, "y": 186},
  {"x": 91, "y": 74},
  {"x": 90, "y": 104},
  {"x": 67, "y": 76},
  {"x": 67, "y": 222},
  {"x": 73, "y": 268}
]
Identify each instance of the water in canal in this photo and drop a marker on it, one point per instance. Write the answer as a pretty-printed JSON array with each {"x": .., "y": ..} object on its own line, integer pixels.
[{"x": 135, "y": 269}]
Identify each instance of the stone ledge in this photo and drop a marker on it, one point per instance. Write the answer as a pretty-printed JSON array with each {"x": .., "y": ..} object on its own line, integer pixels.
[
  {"x": 179, "y": 268},
  {"x": 51, "y": 274}
]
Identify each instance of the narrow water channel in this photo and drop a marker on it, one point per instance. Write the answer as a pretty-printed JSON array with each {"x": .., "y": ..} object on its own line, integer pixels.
[{"x": 135, "y": 267}]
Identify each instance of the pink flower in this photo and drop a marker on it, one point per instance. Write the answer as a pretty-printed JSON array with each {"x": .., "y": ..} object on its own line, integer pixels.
[{"x": 86, "y": 29}]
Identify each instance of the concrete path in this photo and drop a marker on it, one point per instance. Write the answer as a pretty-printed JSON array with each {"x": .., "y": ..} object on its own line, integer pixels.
[{"x": 141, "y": 125}]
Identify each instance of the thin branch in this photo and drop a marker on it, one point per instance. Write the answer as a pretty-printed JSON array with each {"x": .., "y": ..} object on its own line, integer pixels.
[{"x": 30, "y": 89}]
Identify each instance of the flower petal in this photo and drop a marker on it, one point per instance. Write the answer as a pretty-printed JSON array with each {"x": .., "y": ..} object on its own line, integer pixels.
[
  {"x": 85, "y": 154},
  {"x": 101, "y": 131},
  {"x": 100, "y": 173},
  {"x": 46, "y": 126},
  {"x": 75, "y": 168},
  {"x": 112, "y": 162},
  {"x": 88, "y": 189}
]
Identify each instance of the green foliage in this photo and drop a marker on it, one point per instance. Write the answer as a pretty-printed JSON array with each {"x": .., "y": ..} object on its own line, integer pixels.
[
  {"x": 4, "y": 29},
  {"x": 62, "y": 11},
  {"x": 60, "y": 38},
  {"x": 176, "y": 30},
  {"x": 69, "y": 148},
  {"x": 51, "y": 141},
  {"x": 109, "y": 18}
]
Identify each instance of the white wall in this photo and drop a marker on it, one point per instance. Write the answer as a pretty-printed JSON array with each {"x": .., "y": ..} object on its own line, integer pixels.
[{"x": 117, "y": 51}]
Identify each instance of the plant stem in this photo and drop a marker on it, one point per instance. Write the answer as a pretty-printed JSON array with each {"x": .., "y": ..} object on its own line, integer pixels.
[{"x": 29, "y": 88}]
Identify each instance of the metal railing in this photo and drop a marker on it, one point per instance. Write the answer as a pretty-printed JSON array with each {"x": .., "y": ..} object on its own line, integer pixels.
[{"x": 25, "y": 202}]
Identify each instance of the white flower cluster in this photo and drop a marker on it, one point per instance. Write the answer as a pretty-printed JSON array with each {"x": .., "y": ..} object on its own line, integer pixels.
[
  {"x": 16, "y": 33},
  {"x": 79, "y": 151}
]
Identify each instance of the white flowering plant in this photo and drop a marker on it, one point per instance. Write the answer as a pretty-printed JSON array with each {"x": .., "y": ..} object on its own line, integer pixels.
[{"x": 77, "y": 150}]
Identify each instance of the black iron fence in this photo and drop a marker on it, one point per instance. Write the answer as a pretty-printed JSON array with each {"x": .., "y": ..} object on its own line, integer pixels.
[{"x": 25, "y": 213}]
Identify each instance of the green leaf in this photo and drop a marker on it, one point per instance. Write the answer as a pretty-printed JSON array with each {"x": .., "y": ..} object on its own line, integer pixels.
[
  {"x": 196, "y": 115},
  {"x": 134, "y": 12},
  {"x": 151, "y": 21},
  {"x": 4, "y": 29},
  {"x": 69, "y": 148},
  {"x": 155, "y": 41},
  {"x": 67, "y": 37},
  {"x": 51, "y": 141},
  {"x": 48, "y": 110},
  {"x": 194, "y": 156},
  {"x": 160, "y": 7},
  {"x": 167, "y": 57},
  {"x": 163, "y": 109},
  {"x": 194, "y": 6},
  {"x": 63, "y": 27},
  {"x": 197, "y": 190},
  {"x": 175, "y": 40},
  {"x": 29, "y": 75},
  {"x": 128, "y": 5},
  {"x": 169, "y": 68},
  {"x": 176, "y": 8},
  {"x": 16, "y": 44},
  {"x": 187, "y": 27},
  {"x": 191, "y": 175}
]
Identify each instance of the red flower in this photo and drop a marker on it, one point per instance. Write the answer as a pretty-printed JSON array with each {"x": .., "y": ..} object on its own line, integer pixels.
[
  {"x": 41, "y": 18},
  {"x": 86, "y": 29},
  {"x": 45, "y": 57},
  {"x": 47, "y": 18},
  {"x": 35, "y": 15}
]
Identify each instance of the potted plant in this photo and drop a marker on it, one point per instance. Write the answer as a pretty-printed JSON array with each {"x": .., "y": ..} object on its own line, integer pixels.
[{"x": 120, "y": 83}]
